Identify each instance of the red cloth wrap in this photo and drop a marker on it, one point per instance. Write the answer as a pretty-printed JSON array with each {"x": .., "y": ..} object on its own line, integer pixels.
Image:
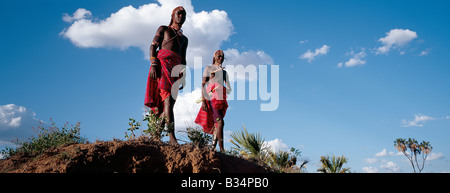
[
  {"x": 153, "y": 99},
  {"x": 205, "y": 118}
]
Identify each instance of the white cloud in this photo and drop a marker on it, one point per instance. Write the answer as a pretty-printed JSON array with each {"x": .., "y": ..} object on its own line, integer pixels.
[
  {"x": 13, "y": 116},
  {"x": 310, "y": 56},
  {"x": 390, "y": 167},
  {"x": 15, "y": 121},
  {"x": 246, "y": 58},
  {"x": 419, "y": 121},
  {"x": 234, "y": 57},
  {"x": 78, "y": 15},
  {"x": 447, "y": 117},
  {"x": 384, "y": 153},
  {"x": 186, "y": 109},
  {"x": 356, "y": 60},
  {"x": 395, "y": 38},
  {"x": 435, "y": 156},
  {"x": 276, "y": 145},
  {"x": 370, "y": 169},
  {"x": 135, "y": 27}
]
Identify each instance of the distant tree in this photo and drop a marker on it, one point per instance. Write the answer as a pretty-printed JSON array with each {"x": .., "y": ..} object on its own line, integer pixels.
[
  {"x": 412, "y": 149},
  {"x": 333, "y": 164}
]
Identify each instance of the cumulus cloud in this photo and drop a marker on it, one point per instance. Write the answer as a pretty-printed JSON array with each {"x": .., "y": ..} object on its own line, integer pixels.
[
  {"x": 234, "y": 57},
  {"x": 390, "y": 167},
  {"x": 418, "y": 121},
  {"x": 395, "y": 38},
  {"x": 13, "y": 116},
  {"x": 15, "y": 121},
  {"x": 276, "y": 145},
  {"x": 78, "y": 15},
  {"x": 310, "y": 56},
  {"x": 186, "y": 109},
  {"x": 247, "y": 58},
  {"x": 435, "y": 156},
  {"x": 370, "y": 169},
  {"x": 135, "y": 27},
  {"x": 384, "y": 153},
  {"x": 356, "y": 60}
]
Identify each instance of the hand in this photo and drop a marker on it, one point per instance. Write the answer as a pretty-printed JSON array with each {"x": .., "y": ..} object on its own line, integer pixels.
[
  {"x": 228, "y": 90},
  {"x": 204, "y": 105},
  {"x": 153, "y": 74}
]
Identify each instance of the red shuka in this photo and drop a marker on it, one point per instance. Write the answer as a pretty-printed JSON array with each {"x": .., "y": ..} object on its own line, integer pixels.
[
  {"x": 205, "y": 118},
  {"x": 162, "y": 85}
]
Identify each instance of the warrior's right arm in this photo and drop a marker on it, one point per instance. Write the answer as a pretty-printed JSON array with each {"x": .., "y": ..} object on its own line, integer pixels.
[{"x": 157, "y": 41}]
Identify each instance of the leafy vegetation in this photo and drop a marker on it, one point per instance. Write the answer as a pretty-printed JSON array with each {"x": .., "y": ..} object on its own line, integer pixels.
[
  {"x": 333, "y": 164},
  {"x": 156, "y": 127},
  {"x": 249, "y": 145},
  {"x": 47, "y": 137},
  {"x": 286, "y": 161},
  {"x": 198, "y": 137},
  {"x": 133, "y": 127}
]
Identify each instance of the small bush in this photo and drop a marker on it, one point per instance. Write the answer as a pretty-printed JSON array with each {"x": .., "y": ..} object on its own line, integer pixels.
[
  {"x": 47, "y": 137},
  {"x": 133, "y": 127},
  {"x": 156, "y": 127},
  {"x": 198, "y": 137}
]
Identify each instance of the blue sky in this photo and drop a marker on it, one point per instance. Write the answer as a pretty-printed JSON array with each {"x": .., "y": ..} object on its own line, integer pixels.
[{"x": 353, "y": 75}]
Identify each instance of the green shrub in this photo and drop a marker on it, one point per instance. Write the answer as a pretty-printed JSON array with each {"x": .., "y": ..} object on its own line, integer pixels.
[
  {"x": 133, "y": 127},
  {"x": 156, "y": 127},
  {"x": 198, "y": 137},
  {"x": 47, "y": 137}
]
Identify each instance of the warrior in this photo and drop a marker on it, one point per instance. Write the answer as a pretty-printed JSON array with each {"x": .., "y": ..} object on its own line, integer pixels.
[
  {"x": 167, "y": 50},
  {"x": 214, "y": 102}
]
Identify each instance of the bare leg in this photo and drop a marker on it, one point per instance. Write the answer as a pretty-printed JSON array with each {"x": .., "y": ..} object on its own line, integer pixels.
[
  {"x": 214, "y": 143},
  {"x": 219, "y": 131},
  {"x": 169, "y": 103}
]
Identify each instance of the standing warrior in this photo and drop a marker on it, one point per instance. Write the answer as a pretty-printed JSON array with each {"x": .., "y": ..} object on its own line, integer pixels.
[
  {"x": 214, "y": 102},
  {"x": 172, "y": 46}
]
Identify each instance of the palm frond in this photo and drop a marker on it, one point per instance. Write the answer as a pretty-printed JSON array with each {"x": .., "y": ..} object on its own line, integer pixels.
[{"x": 251, "y": 143}]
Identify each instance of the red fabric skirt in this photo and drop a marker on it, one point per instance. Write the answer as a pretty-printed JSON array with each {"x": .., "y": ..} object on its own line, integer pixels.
[
  {"x": 157, "y": 90},
  {"x": 205, "y": 118}
]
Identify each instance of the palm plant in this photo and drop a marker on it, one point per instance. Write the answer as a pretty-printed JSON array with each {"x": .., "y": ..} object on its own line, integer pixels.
[
  {"x": 249, "y": 145},
  {"x": 424, "y": 148},
  {"x": 280, "y": 160},
  {"x": 286, "y": 161},
  {"x": 333, "y": 165}
]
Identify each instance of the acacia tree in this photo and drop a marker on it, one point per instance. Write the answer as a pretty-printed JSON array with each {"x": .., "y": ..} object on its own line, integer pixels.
[{"x": 415, "y": 150}]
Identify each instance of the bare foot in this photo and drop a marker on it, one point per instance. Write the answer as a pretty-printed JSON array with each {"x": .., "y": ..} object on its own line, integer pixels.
[{"x": 173, "y": 141}]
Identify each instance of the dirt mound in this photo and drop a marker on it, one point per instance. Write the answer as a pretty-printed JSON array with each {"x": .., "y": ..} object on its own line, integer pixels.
[{"x": 132, "y": 156}]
